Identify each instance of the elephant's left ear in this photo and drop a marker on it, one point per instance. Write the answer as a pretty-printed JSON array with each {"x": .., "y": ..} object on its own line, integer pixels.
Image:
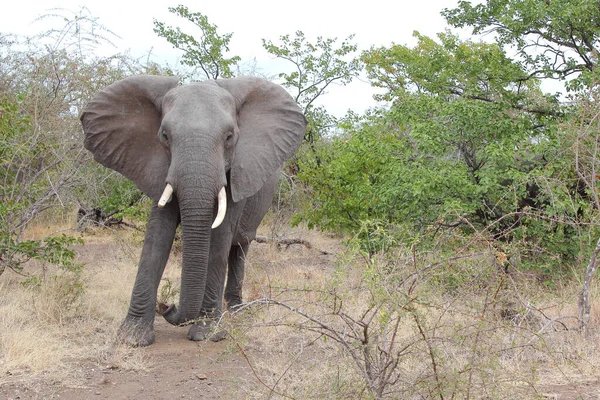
[
  {"x": 271, "y": 129},
  {"x": 121, "y": 125}
]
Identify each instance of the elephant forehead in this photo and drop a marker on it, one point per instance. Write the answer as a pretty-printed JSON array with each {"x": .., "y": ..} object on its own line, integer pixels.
[
  {"x": 204, "y": 95},
  {"x": 198, "y": 112}
]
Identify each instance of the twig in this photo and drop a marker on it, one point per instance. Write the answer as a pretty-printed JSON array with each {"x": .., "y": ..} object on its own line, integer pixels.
[
  {"x": 584, "y": 304},
  {"x": 272, "y": 389},
  {"x": 557, "y": 319},
  {"x": 431, "y": 355}
]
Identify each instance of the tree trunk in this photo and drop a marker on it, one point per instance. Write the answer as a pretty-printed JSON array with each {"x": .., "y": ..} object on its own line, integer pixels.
[{"x": 585, "y": 307}]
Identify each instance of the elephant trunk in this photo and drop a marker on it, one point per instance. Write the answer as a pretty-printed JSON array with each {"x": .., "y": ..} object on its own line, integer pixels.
[{"x": 197, "y": 208}]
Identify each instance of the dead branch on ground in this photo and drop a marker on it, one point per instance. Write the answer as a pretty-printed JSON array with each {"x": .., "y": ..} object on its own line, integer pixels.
[{"x": 287, "y": 242}]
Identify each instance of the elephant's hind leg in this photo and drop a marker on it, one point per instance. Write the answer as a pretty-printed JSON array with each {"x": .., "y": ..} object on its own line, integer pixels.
[
  {"x": 138, "y": 327},
  {"x": 235, "y": 275}
]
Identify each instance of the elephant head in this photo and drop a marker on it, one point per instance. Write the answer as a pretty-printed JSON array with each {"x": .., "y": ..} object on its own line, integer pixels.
[{"x": 190, "y": 142}]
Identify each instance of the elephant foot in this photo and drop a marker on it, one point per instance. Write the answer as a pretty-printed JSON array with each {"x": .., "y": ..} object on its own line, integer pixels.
[
  {"x": 136, "y": 332},
  {"x": 234, "y": 304},
  {"x": 204, "y": 330}
]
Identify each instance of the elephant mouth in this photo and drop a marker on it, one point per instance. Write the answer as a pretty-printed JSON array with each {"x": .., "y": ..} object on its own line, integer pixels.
[{"x": 222, "y": 201}]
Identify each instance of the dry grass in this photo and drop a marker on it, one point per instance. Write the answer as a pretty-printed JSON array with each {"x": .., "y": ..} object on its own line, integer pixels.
[
  {"x": 485, "y": 335},
  {"x": 52, "y": 222},
  {"x": 53, "y": 328},
  {"x": 490, "y": 336}
]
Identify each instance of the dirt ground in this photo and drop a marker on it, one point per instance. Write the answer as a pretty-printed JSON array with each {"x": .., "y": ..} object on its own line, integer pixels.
[
  {"x": 173, "y": 367},
  {"x": 177, "y": 369}
]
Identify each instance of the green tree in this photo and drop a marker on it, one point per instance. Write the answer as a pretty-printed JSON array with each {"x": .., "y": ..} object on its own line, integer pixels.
[
  {"x": 207, "y": 52},
  {"x": 554, "y": 39},
  {"x": 315, "y": 67},
  {"x": 466, "y": 143},
  {"x": 33, "y": 180},
  {"x": 457, "y": 70}
]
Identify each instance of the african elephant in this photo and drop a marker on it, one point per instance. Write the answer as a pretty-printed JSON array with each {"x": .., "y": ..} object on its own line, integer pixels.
[{"x": 209, "y": 156}]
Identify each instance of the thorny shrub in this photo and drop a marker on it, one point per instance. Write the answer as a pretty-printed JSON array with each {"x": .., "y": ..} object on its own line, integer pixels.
[{"x": 407, "y": 324}]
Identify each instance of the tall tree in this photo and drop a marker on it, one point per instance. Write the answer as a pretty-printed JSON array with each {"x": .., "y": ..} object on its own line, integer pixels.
[
  {"x": 206, "y": 52},
  {"x": 316, "y": 66},
  {"x": 554, "y": 38},
  {"x": 466, "y": 138}
]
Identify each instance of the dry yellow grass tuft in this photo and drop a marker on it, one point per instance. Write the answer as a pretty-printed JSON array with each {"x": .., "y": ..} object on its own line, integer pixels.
[
  {"x": 26, "y": 344},
  {"x": 51, "y": 222},
  {"x": 54, "y": 327}
]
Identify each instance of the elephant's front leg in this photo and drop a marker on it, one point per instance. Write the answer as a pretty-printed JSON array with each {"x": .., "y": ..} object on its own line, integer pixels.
[
  {"x": 138, "y": 327},
  {"x": 212, "y": 303}
]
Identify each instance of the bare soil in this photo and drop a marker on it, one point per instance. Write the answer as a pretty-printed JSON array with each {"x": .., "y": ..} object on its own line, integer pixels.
[{"x": 177, "y": 369}]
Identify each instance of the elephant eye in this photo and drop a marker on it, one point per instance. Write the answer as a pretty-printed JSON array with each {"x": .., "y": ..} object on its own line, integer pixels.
[
  {"x": 229, "y": 136},
  {"x": 164, "y": 139}
]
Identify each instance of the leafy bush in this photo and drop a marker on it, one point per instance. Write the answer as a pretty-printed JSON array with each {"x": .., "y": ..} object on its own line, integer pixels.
[
  {"x": 29, "y": 166},
  {"x": 468, "y": 143}
]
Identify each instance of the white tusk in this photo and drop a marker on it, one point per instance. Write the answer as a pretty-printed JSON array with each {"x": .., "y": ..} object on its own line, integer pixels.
[
  {"x": 222, "y": 208},
  {"x": 166, "y": 196}
]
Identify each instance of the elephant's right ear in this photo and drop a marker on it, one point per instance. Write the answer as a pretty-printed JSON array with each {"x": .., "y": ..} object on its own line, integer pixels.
[{"x": 121, "y": 126}]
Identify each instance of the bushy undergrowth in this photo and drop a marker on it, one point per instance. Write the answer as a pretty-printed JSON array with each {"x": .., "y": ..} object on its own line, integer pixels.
[
  {"x": 406, "y": 323},
  {"x": 29, "y": 165},
  {"x": 413, "y": 323}
]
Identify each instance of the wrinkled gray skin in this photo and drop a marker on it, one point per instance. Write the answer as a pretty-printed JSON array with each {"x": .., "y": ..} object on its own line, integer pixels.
[{"x": 199, "y": 137}]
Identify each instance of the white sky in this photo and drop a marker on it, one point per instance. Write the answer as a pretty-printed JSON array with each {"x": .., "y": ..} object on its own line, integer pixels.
[{"x": 375, "y": 22}]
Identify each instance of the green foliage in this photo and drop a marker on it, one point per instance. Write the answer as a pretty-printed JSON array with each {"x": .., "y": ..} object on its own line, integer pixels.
[
  {"x": 372, "y": 184},
  {"x": 123, "y": 198},
  {"x": 25, "y": 175},
  {"x": 207, "y": 52},
  {"x": 109, "y": 200},
  {"x": 315, "y": 67},
  {"x": 456, "y": 69},
  {"x": 467, "y": 143},
  {"x": 54, "y": 250},
  {"x": 554, "y": 39}
]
